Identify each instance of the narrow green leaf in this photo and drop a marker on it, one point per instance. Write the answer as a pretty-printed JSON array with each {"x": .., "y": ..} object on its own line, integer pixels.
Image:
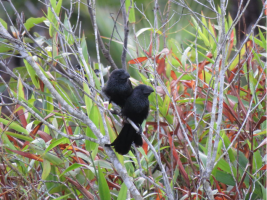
[
  {"x": 3, "y": 23},
  {"x": 224, "y": 178},
  {"x": 70, "y": 168},
  {"x": 123, "y": 192},
  {"x": 6, "y": 141},
  {"x": 204, "y": 28},
  {"x": 262, "y": 38},
  {"x": 230, "y": 151},
  {"x": 53, "y": 21},
  {"x": 129, "y": 5},
  {"x": 88, "y": 100},
  {"x": 14, "y": 125},
  {"x": 31, "y": 22},
  {"x": 32, "y": 74},
  {"x": 20, "y": 88},
  {"x": 62, "y": 197},
  {"x": 62, "y": 93},
  {"x": 58, "y": 7},
  {"x": 84, "y": 49},
  {"x": 19, "y": 136},
  {"x": 55, "y": 143},
  {"x": 67, "y": 35},
  {"x": 49, "y": 102},
  {"x": 46, "y": 169},
  {"x": 205, "y": 39},
  {"x": 103, "y": 186}
]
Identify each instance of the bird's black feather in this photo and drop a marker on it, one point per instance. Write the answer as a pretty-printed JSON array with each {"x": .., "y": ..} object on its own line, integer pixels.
[{"x": 118, "y": 87}]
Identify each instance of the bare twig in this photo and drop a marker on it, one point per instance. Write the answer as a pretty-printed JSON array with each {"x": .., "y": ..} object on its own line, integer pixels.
[{"x": 105, "y": 52}]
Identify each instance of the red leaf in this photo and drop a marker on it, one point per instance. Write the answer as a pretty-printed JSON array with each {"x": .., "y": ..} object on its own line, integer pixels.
[
  {"x": 177, "y": 158},
  {"x": 27, "y": 155},
  {"x": 232, "y": 37},
  {"x": 262, "y": 119},
  {"x": 173, "y": 75},
  {"x": 34, "y": 131},
  {"x": 157, "y": 59},
  {"x": 190, "y": 84},
  {"x": 264, "y": 167},
  {"x": 217, "y": 184},
  {"x": 137, "y": 60},
  {"x": 41, "y": 84},
  {"x": 22, "y": 117},
  {"x": 44, "y": 135},
  {"x": 83, "y": 190},
  {"x": 145, "y": 147},
  {"x": 159, "y": 195},
  {"x": 78, "y": 160},
  {"x": 156, "y": 123},
  {"x": 176, "y": 58},
  {"x": 161, "y": 66}
]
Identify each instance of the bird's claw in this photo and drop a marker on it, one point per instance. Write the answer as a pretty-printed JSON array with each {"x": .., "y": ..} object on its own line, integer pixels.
[{"x": 140, "y": 130}]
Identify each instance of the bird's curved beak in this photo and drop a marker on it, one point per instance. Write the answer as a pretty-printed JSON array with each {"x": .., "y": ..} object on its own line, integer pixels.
[
  {"x": 125, "y": 76},
  {"x": 148, "y": 90}
]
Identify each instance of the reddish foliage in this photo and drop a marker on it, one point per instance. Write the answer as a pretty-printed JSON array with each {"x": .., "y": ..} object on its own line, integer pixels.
[
  {"x": 137, "y": 60},
  {"x": 27, "y": 155},
  {"x": 22, "y": 117}
]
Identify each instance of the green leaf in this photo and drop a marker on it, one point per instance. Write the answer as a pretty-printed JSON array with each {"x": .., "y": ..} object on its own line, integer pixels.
[
  {"x": 62, "y": 197},
  {"x": 88, "y": 100},
  {"x": 49, "y": 103},
  {"x": 94, "y": 115},
  {"x": 14, "y": 125},
  {"x": 19, "y": 136},
  {"x": 46, "y": 169},
  {"x": 84, "y": 49},
  {"x": 53, "y": 21},
  {"x": 123, "y": 192},
  {"x": 31, "y": 22},
  {"x": 32, "y": 73},
  {"x": 6, "y": 141},
  {"x": 227, "y": 144},
  {"x": 70, "y": 168},
  {"x": 67, "y": 35},
  {"x": 129, "y": 6},
  {"x": 20, "y": 88},
  {"x": 211, "y": 39},
  {"x": 103, "y": 186},
  {"x": 204, "y": 28},
  {"x": 204, "y": 38},
  {"x": 3, "y": 23},
  {"x": 58, "y": 7},
  {"x": 55, "y": 143},
  {"x": 62, "y": 93},
  {"x": 224, "y": 178}
]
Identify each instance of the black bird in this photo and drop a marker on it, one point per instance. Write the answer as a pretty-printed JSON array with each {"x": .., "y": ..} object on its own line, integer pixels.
[
  {"x": 136, "y": 108},
  {"x": 118, "y": 87}
]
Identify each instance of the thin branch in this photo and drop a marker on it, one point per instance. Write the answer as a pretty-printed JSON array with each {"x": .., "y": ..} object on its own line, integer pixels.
[{"x": 105, "y": 52}]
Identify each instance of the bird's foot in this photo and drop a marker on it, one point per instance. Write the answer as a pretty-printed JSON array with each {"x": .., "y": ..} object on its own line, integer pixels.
[
  {"x": 115, "y": 112},
  {"x": 140, "y": 130}
]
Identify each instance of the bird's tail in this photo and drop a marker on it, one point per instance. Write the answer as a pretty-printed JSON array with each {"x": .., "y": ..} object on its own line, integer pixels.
[{"x": 127, "y": 136}]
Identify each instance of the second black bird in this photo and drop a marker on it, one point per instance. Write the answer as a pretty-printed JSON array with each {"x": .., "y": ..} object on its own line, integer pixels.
[{"x": 136, "y": 108}]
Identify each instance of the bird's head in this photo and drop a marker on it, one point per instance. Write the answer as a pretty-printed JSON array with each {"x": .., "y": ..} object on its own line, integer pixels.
[
  {"x": 145, "y": 89},
  {"x": 119, "y": 75}
]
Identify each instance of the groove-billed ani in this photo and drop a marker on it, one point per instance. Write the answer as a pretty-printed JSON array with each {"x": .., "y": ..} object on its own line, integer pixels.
[
  {"x": 118, "y": 87},
  {"x": 136, "y": 108}
]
